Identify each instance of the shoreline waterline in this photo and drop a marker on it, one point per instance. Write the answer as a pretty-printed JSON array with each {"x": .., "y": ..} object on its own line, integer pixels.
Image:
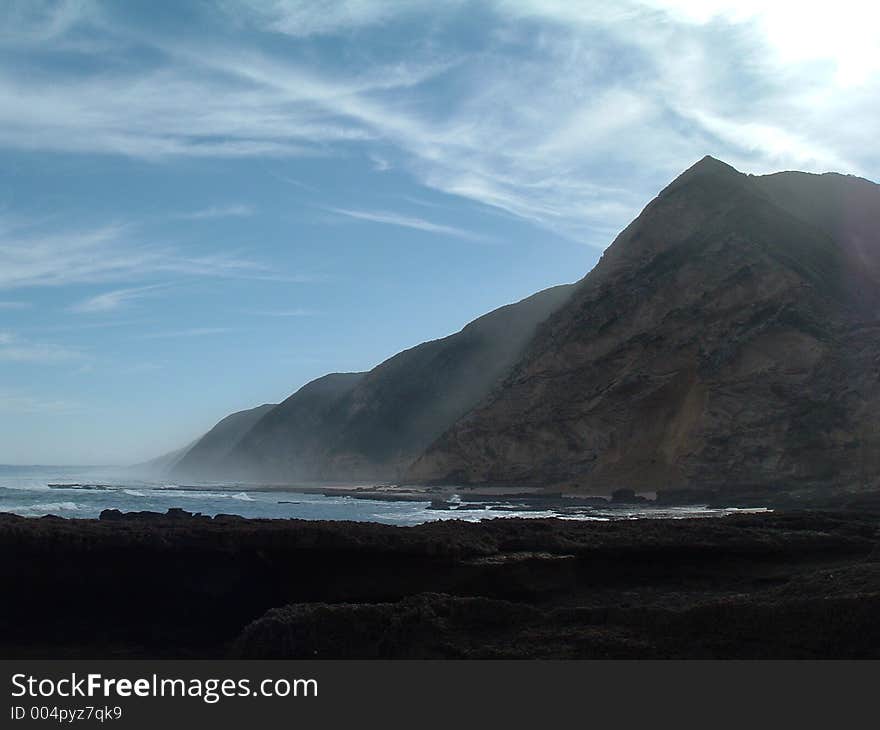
[{"x": 72, "y": 493}]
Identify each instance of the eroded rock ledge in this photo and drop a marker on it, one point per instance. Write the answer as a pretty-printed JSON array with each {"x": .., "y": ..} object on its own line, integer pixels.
[{"x": 800, "y": 584}]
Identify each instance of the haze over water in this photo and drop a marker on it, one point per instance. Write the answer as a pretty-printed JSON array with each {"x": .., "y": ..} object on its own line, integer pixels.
[{"x": 77, "y": 492}]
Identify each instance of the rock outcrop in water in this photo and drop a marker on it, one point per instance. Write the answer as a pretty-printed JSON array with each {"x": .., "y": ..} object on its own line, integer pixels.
[
  {"x": 730, "y": 337},
  {"x": 351, "y": 426}
]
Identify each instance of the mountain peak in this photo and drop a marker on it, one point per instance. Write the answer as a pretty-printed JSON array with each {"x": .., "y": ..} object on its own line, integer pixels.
[
  {"x": 709, "y": 161},
  {"x": 705, "y": 168},
  {"x": 721, "y": 342}
]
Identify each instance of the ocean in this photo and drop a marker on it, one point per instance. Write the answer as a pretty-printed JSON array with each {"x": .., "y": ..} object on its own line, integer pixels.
[{"x": 83, "y": 492}]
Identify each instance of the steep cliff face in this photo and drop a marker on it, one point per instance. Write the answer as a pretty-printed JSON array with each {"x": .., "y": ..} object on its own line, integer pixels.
[
  {"x": 371, "y": 426},
  {"x": 293, "y": 430},
  {"x": 729, "y": 336},
  {"x": 214, "y": 446}
]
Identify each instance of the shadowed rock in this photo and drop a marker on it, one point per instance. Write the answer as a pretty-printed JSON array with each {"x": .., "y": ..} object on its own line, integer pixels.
[
  {"x": 782, "y": 585},
  {"x": 728, "y": 338}
]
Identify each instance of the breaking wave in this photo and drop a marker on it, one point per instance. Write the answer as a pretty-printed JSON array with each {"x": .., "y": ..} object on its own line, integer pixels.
[{"x": 43, "y": 508}]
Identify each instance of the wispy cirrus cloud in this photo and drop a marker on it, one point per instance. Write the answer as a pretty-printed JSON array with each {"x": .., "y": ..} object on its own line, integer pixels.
[
  {"x": 546, "y": 117},
  {"x": 116, "y": 299},
  {"x": 25, "y": 403},
  {"x": 14, "y": 304},
  {"x": 221, "y": 211},
  {"x": 14, "y": 349},
  {"x": 302, "y": 19},
  {"x": 282, "y": 312},
  {"x": 405, "y": 221},
  {"x": 191, "y": 332},
  {"x": 35, "y": 257},
  {"x": 42, "y": 20},
  {"x": 552, "y": 131}
]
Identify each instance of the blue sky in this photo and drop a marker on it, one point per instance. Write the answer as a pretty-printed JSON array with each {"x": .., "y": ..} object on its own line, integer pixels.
[{"x": 204, "y": 205}]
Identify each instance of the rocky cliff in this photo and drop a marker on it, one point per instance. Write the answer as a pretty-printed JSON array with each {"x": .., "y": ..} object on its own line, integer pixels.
[
  {"x": 729, "y": 336},
  {"x": 353, "y": 426},
  {"x": 213, "y": 448}
]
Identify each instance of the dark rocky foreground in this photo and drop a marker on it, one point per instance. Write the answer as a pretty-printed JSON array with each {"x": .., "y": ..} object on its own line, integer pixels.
[{"x": 796, "y": 584}]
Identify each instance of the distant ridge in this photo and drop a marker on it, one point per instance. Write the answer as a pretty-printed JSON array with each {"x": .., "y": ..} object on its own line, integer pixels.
[
  {"x": 729, "y": 337},
  {"x": 215, "y": 445},
  {"x": 353, "y": 426}
]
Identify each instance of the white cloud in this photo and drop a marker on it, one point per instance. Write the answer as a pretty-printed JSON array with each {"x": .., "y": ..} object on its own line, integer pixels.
[
  {"x": 109, "y": 253},
  {"x": 568, "y": 113},
  {"x": 12, "y": 304},
  {"x": 211, "y": 101},
  {"x": 12, "y": 349},
  {"x": 282, "y": 312},
  {"x": 844, "y": 33},
  {"x": 146, "y": 367},
  {"x": 380, "y": 164},
  {"x": 112, "y": 300},
  {"x": 22, "y": 403},
  {"x": 404, "y": 221},
  {"x": 302, "y": 18},
  {"x": 224, "y": 211},
  {"x": 29, "y": 21},
  {"x": 192, "y": 332}
]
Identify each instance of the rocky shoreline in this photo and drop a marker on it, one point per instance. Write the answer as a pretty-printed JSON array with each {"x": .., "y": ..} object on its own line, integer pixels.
[
  {"x": 789, "y": 584},
  {"x": 739, "y": 496}
]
